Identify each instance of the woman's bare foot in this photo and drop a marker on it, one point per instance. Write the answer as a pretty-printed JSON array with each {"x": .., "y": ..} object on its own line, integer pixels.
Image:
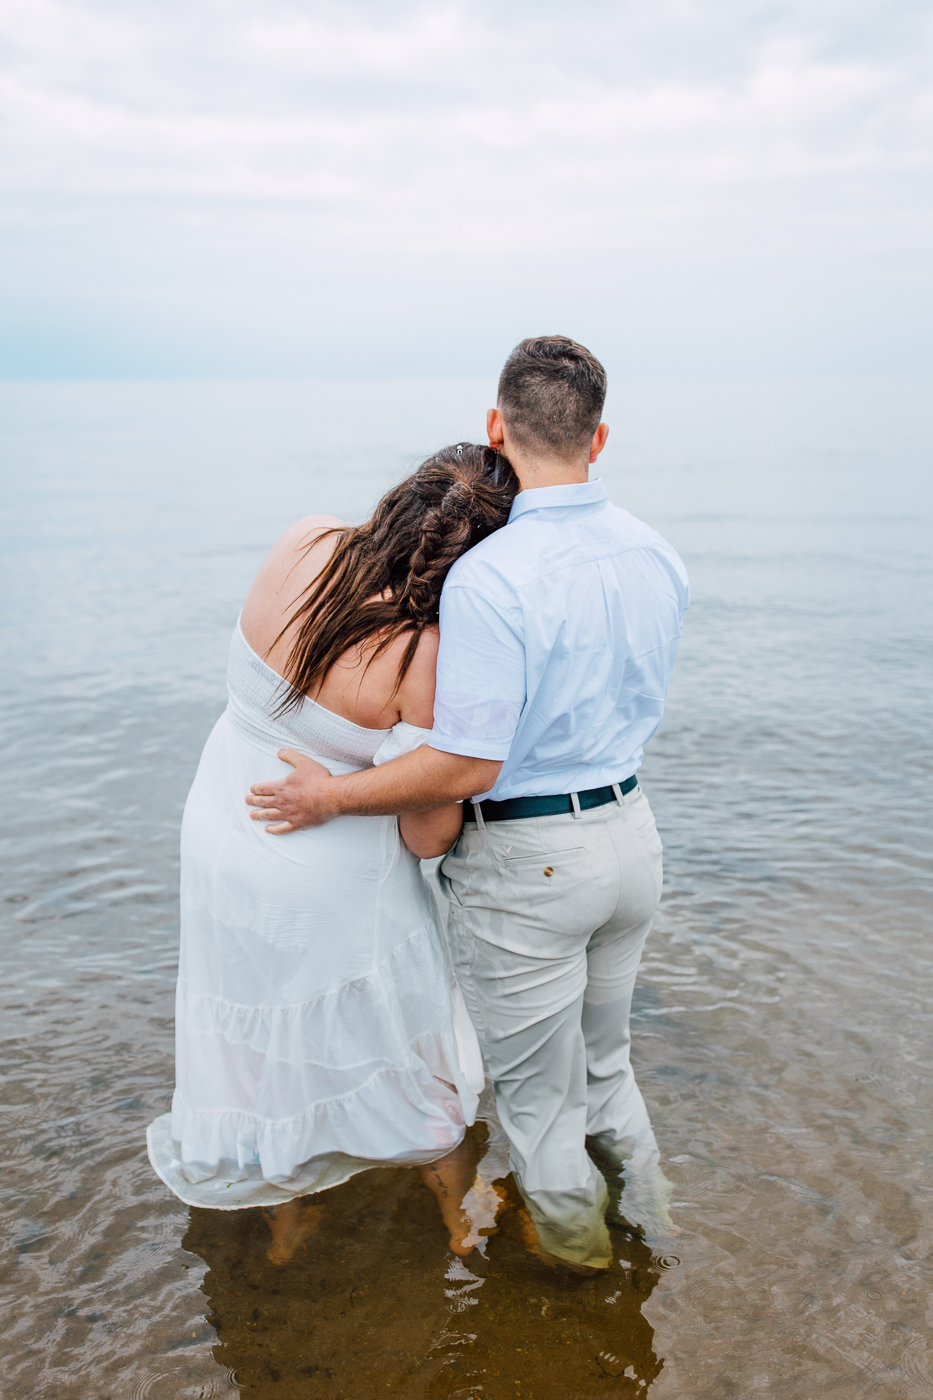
[
  {"x": 463, "y": 1237},
  {"x": 482, "y": 1204},
  {"x": 450, "y": 1180},
  {"x": 292, "y": 1224}
]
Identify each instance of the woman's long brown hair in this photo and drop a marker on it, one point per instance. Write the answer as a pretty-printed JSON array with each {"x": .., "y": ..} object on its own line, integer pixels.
[{"x": 384, "y": 578}]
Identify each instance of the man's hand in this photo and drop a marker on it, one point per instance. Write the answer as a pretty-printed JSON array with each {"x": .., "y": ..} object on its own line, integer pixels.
[
  {"x": 296, "y": 801},
  {"x": 416, "y": 782}
]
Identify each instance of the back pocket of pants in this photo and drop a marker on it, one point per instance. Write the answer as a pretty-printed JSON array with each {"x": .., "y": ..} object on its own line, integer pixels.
[
  {"x": 550, "y": 872},
  {"x": 552, "y": 890}
]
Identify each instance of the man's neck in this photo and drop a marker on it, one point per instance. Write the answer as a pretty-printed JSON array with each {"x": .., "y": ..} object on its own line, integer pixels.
[
  {"x": 534, "y": 471},
  {"x": 534, "y": 468}
]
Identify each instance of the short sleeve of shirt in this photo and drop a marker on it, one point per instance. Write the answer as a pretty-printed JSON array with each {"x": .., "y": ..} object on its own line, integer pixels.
[{"x": 480, "y": 675}]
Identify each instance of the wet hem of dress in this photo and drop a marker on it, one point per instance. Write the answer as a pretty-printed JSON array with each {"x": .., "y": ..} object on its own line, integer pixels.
[{"x": 267, "y": 1193}]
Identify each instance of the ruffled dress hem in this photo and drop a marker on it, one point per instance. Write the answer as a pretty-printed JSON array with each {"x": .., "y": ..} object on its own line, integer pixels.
[{"x": 243, "y": 1188}]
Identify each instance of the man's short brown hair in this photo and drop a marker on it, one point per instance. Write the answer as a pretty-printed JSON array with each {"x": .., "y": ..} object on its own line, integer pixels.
[{"x": 551, "y": 395}]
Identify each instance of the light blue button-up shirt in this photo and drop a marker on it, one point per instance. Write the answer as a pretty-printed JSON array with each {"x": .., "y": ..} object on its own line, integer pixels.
[{"x": 558, "y": 638}]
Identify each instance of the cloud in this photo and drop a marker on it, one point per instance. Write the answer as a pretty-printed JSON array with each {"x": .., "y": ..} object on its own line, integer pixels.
[{"x": 279, "y": 133}]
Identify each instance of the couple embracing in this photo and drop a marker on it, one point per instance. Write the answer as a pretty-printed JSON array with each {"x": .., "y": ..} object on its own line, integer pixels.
[{"x": 471, "y": 674}]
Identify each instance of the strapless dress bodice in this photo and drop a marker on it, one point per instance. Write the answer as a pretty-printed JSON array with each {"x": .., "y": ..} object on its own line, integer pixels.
[{"x": 255, "y": 691}]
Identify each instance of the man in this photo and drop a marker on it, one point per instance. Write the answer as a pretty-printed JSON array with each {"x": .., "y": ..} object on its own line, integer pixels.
[{"x": 558, "y": 637}]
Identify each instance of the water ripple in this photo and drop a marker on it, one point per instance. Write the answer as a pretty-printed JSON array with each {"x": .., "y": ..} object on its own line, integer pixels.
[{"x": 780, "y": 1019}]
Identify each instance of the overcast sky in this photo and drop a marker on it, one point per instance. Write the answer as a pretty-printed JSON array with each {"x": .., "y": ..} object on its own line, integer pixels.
[{"x": 288, "y": 187}]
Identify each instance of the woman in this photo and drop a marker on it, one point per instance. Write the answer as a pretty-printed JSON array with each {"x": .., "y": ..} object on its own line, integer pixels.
[{"x": 315, "y": 1011}]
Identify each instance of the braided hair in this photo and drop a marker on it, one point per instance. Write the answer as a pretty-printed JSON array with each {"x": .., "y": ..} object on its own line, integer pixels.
[{"x": 384, "y": 578}]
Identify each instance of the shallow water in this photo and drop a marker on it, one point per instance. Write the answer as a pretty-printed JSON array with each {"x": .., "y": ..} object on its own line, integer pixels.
[{"x": 782, "y": 1022}]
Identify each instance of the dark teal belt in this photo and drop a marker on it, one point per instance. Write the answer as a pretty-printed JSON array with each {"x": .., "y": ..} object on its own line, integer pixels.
[{"x": 512, "y": 808}]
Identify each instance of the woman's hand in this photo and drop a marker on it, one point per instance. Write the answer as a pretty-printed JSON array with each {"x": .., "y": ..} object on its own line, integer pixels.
[{"x": 430, "y": 834}]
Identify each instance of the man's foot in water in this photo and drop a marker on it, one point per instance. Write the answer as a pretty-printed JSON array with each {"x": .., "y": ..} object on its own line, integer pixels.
[{"x": 553, "y": 1261}]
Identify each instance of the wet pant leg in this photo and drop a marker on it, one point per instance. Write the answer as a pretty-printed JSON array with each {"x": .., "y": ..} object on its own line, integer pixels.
[{"x": 548, "y": 920}]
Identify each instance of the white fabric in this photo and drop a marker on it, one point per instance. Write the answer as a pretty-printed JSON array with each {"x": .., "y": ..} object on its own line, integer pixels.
[
  {"x": 558, "y": 638},
  {"x": 548, "y": 918},
  {"x": 314, "y": 1019},
  {"x": 405, "y": 738}
]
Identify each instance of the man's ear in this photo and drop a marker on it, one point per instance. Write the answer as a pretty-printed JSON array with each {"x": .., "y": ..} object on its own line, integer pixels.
[
  {"x": 599, "y": 441},
  {"x": 495, "y": 429}
]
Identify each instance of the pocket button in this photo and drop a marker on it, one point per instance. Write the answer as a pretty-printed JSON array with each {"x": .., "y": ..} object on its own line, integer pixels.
[{"x": 549, "y": 870}]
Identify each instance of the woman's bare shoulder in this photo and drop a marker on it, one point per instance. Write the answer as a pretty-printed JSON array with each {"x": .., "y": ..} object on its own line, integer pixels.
[
  {"x": 304, "y": 533},
  {"x": 426, "y": 654},
  {"x": 306, "y": 538},
  {"x": 416, "y": 693},
  {"x": 291, "y": 565}
]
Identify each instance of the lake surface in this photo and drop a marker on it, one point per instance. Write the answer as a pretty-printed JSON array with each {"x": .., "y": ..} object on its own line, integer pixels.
[{"x": 782, "y": 1017}]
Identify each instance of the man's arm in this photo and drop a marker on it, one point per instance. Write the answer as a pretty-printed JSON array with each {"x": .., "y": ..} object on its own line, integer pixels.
[{"x": 416, "y": 782}]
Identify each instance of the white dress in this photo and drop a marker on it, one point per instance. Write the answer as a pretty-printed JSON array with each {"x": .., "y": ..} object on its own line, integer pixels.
[{"x": 318, "y": 1028}]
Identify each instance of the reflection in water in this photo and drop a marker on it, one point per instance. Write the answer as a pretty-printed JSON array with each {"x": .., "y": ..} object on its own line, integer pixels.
[
  {"x": 782, "y": 1014},
  {"x": 374, "y": 1303}
]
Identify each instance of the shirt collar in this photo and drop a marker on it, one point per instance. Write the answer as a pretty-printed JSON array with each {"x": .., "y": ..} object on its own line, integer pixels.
[{"x": 577, "y": 493}]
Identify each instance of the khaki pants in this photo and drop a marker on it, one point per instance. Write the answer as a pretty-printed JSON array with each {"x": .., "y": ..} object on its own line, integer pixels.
[{"x": 548, "y": 918}]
